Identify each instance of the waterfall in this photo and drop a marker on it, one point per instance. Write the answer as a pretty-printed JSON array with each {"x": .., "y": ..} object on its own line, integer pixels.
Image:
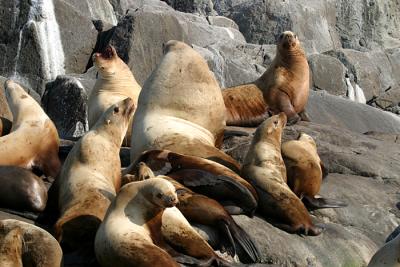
[
  {"x": 357, "y": 94},
  {"x": 360, "y": 97},
  {"x": 350, "y": 90},
  {"x": 42, "y": 19}
]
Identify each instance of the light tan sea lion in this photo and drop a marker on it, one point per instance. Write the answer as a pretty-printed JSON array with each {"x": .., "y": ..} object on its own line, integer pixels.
[
  {"x": 91, "y": 176},
  {"x": 305, "y": 171},
  {"x": 115, "y": 82},
  {"x": 142, "y": 227},
  {"x": 200, "y": 209},
  {"x": 181, "y": 108},
  {"x": 265, "y": 169},
  {"x": 21, "y": 189},
  {"x": 33, "y": 140},
  {"x": 24, "y": 244},
  {"x": 284, "y": 87},
  {"x": 388, "y": 255}
]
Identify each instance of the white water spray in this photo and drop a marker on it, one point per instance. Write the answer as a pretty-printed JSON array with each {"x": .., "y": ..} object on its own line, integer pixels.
[
  {"x": 357, "y": 94},
  {"x": 350, "y": 90},
  {"x": 360, "y": 97}
]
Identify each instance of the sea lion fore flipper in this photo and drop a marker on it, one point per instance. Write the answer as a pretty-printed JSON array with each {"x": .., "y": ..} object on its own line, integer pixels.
[{"x": 322, "y": 203}]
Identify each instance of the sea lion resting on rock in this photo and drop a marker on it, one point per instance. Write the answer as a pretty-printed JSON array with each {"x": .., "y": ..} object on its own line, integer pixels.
[
  {"x": 114, "y": 83},
  {"x": 181, "y": 108},
  {"x": 91, "y": 176},
  {"x": 284, "y": 87},
  {"x": 33, "y": 140},
  {"x": 200, "y": 209},
  {"x": 265, "y": 169},
  {"x": 142, "y": 224},
  {"x": 305, "y": 172},
  {"x": 24, "y": 244},
  {"x": 21, "y": 189}
]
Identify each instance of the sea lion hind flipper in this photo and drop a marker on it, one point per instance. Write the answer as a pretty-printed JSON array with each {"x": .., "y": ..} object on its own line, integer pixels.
[
  {"x": 232, "y": 209},
  {"x": 304, "y": 116},
  {"x": 314, "y": 203},
  {"x": 252, "y": 253},
  {"x": 191, "y": 261},
  {"x": 245, "y": 106}
]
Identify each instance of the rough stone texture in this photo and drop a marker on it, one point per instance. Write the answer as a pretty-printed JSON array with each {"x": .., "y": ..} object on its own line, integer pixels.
[
  {"x": 65, "y": 102},
  {"x": 204, "y": 7},
  {"x": 5, "y": 111},
  {"x": 328, "y": 73},
  {"x": 366, "y": 177},
  {"x": 222, "y": 22}
]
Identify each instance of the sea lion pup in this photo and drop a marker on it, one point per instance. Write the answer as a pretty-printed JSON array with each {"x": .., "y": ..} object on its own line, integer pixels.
[
  {"x": 91, "y": 176},
  {"x": 181, "y": 108},
  {"x": 305, "y": 172},
  {"x": 33, "y": 141},
  {"x": 200, "y": 209},
  {"x": 139, "y": 228},
  {"x": 24, "y": 244},
  {"x": 21, "y": 189},
  {"x": 5, "y": 126},
  {"x": 388, "y": 255},
  {"x": 115, "y": 82},
  {"x": 284, "y": 87},
  {"x": 203, "y": 176},
  {"x": 264, "y": 168}
]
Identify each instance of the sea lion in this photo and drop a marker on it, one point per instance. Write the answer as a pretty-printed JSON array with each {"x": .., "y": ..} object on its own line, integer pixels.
[
  {"x": 264, "y": 168},
  {"x": 115, "y": 82},
  {"x": 181, "y": 108},
  {"x": 203, "y": 176},
  {"x": 200, "y": 209},
  {"x": 388, "y": 255},
  {"x": 5, "y": 126},
  {"x": 142, "y": 224},
  {"x": 33, "y": 141},
  {"x": 91, "y": 176},
  {"x": 24, "y": 244},
  {"x": 21, "y": 189},
  {"x": 305, "y": 171},
  {"x": 284, "y": 87}
]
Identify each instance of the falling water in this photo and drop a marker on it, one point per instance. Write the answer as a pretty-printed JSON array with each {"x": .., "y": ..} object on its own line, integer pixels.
[
  {"x": 357, "y": 94},
  {"x": 360, "y": 97},
  {"x": 42, "y": 19},
  {"x": 350, "y": 90}
]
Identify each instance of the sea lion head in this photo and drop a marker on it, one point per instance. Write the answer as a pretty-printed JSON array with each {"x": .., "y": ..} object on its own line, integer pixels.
[
  {"x": 162, "y": 193},
  {"x": 117, "y": 116},
  {"x": 288, "y": 41},
  {"x": 306, "y": 138},
  {"x": 272, "y": 128},
  {"x": 106, "y": 62},
  {"x": 173, "y": 45}
]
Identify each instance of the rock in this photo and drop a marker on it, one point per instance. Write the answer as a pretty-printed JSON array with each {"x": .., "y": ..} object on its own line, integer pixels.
[
  {"x": 222, "y": 22},
  {"x": 328, "y": 74},
  {"x": 204, "y": 7},
  {"x": 364, "y": 173},
  {"x": 141, "y": 46},
  {"x": 326, "y": 109},
  {"x": 65, "y": 102},
  {"x": 122, "y": 6},
  {"x": 5, "y": 111}
]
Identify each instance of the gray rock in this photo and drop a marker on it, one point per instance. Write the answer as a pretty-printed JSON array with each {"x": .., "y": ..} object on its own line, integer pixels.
[
  {"x": 204, "y": 7},
  {"x": 65, "y": 102},
  {"x": 5, "y": 111},
  {"x": 328, "y": 74},
  {"x": 222, "y": 22}
]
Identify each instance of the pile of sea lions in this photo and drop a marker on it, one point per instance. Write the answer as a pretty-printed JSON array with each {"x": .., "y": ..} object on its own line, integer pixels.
[{"x": 142, "y": 215}]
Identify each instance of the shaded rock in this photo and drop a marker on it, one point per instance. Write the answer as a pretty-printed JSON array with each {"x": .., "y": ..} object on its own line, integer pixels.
[
  {"x": 65, "y": 102},
  {"x": 122, "y": 6},
  {"x": 328, "y": 74},
  {"x": 4, "y": 109},
  {"x": 204, "y": 7},
  {"x": 96, "y": 10},
  {"x": 222, "y": 22}
]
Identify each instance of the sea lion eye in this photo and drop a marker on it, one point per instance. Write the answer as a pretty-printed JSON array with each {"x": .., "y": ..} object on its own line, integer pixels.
[
  {"x": 116, "y": 109},
  {"x": 159, "y": 195},
  {"x": 276, "y": 123}
]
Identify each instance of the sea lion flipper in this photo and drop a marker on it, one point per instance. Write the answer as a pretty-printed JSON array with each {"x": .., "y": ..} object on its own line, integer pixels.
[
  {"x": 245, "y": 105},
  {"x": 245, "y": 242},
  {"x": 322, "y": 203},
  {"x": 304, "y": 116}
]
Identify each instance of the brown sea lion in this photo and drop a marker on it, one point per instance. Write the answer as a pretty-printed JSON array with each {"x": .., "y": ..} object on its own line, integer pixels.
[
  {"x": 305, "y": 171},
  {"x": 200, "y": 209},
  {"x": 5, "y": 126},
  {"x": 142, "y": 227},
  {"x": 21, "y": 189},
  {"x": 24, "y": 244},
  {"x": 115, "y": 82},
  {"x": 203, "y": 176},
  {"x": 33, "y": 141},
  {"x": 181, "y": 108},
  {"x": 265, "y": 169},
  {"x": 91, "y": 176},
  {"x": 284, "y": 87}
]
